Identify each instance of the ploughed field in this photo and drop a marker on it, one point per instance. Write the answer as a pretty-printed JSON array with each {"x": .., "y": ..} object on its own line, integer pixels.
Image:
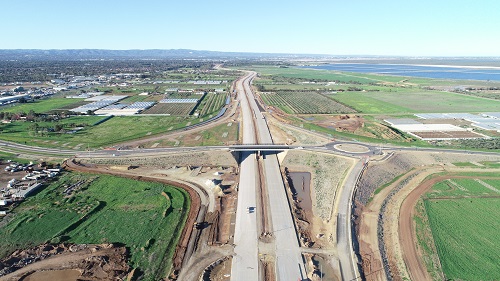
[
  {"x": 171, "y": 108},
  {"x": 82, "y": 208}
]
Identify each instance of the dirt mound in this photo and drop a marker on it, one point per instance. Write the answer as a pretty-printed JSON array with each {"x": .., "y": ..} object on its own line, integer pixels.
[
  {"x": 379, "y": 173},
  {"x": 93, "y": 262},
  {"x": 347, "y": 123},
  {"x": 167, "y": 160}
]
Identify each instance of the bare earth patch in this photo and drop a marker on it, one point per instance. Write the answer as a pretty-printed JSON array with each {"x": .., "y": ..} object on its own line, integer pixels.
[
  {"x": 167, "y": 160},
  {"x": 352, "y": 148},
  {"x": 67, "y": 262},
  {"x": 370, "y": 234}
]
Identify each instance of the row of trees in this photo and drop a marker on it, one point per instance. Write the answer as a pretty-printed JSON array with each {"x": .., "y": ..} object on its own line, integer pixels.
[
  {"x": 493, "y": 143},
  {"x": 32, "y": 116}
]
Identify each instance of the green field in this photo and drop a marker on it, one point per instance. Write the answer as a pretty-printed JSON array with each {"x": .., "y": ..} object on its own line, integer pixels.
[
  {"x": 41, "y": 106},
  {"x": 374, "y": 94},
  {"x": 465, "y": 232},
  {"x": 463, "y": 187},
  {"x": 324, "y": 75},
  {"x": 365, "y": 78},
  {"x": 115, "y": 130},
  {"x": 103, "y": 209},
  {"x": 218, "y": 135},
  {"x": 457, "y": 224},
  {"x": 414, "y": 101}
]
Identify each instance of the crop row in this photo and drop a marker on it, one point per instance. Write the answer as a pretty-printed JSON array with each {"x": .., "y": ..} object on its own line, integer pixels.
[
  {"x": 304, "y": 103},
  {"x": 171, "y": 108},
  {"x": 215, "y": 102}
]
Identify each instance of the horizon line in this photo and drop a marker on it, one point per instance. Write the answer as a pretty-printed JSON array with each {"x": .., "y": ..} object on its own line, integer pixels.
[{"x": 264, "y": 53}]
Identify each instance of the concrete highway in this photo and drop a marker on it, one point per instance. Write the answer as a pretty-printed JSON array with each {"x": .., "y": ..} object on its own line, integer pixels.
[
  {"x": 245, "y": 264},
  {"x": 289, "y": 262},
  {"x": 16, "y": 148}
]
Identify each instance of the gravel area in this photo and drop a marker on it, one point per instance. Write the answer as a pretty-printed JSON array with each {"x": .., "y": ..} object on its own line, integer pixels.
[
  {"x": 288, "y": 134},
  {"x": 380, "y": 173},
  {"x": 327, "y": 174},
  {"x": 215, "y": 158}
]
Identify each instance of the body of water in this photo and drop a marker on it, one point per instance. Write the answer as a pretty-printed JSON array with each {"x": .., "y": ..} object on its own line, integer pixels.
[{"x": 437, "y": 72}]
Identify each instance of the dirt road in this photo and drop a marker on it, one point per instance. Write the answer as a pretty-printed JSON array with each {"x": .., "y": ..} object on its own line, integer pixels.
[
  {"x": 68, "y": 260},
  {"x": 407, "y": 233},
  {"x": 368, "y": 235}
]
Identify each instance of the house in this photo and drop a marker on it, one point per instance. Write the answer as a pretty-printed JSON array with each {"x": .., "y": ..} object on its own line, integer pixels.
[{"x": 5, "y": 202}]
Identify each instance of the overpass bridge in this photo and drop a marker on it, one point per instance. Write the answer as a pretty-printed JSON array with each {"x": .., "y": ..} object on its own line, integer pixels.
[{"x": 262, "y": 147}]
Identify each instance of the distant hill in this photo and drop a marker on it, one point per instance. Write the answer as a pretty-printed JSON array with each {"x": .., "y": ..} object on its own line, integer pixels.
[
  {"x": 93, "y": 54},
  {"x": 175, "y": 54}
]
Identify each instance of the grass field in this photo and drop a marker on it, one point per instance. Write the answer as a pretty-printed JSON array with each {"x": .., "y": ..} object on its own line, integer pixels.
[
  {"x": 465, "y": 232},
  {"x": 457, "y": 224},
  {"x": 312, "y": 74},
  {"x": 218, "y": 135},
  {"x": 463, "y": 187},
  {"x": 120, "y": 129},
  {"x": 317, "y": 74},
  {"x": 42, "y": 106},
  {"x": 21, "y": 132},
  {"x": 115, "y": 130},
  {"x": 483, "y": 164},
  {"x": 103, "y": 209},
  {"x": 414, "y": 101}
]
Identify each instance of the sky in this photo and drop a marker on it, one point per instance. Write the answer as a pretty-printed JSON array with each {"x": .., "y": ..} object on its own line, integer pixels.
[{"x": 334, "y": 27}]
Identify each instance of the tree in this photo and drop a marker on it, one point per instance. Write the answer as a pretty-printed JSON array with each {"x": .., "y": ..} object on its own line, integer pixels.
[
  {"x": 31, "y": 115},
  {"x": 33, "y": 127},
  {"x": 58, "y": 127}
]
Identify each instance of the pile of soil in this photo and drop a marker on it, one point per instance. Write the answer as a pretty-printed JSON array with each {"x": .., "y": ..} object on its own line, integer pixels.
[
  {"x": 82, "y": 262},
  {"x": 347, "y": 123}
]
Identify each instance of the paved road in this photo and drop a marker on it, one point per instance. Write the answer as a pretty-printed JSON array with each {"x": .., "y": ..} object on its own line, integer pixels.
[
  {"x": 348, "y": 267},
  {"x": 289, "y": 261},
  {"x": 14, "y": 147},
  {"x": 245, "y": 264}
]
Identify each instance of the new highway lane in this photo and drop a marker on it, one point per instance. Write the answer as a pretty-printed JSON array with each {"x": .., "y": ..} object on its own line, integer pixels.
[
  {"x": 245, "y": 264},
  {"x": 289, "y": 261}
]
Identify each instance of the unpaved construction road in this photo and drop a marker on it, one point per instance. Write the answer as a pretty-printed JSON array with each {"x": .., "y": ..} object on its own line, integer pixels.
[
  {"x": 407, "y": 233},
  {"x": 109, "y": 258}
]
